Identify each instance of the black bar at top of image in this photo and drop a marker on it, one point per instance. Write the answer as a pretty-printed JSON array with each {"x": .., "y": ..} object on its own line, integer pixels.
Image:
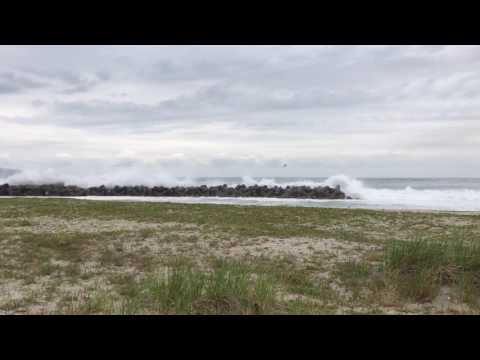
[{"x": 197, "y": 25}]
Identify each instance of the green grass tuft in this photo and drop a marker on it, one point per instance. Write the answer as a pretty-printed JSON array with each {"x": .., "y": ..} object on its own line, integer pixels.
[
  {"x": 230, "y": 287},
  {"x": 420, "y": 267}
]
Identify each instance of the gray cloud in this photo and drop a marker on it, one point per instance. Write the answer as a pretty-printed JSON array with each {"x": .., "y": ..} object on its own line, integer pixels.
[
  {"x": 11, "y": 82},
  {"x": 61, "y": 80},
  {"x": 224, "y": 99},
  {"x": 82, "y": 83}
]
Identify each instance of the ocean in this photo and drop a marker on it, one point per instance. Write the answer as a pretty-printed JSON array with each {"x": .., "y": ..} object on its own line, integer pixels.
[{"x": 448, "y": 194}]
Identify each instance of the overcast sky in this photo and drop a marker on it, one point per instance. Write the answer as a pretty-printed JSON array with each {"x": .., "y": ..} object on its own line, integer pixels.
[{"x": 389, "y": 111}]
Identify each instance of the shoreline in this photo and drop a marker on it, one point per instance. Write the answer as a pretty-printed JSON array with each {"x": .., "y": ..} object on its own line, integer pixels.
[
  {"x": 260, "y": 202},
  {"x": 254, "y": 202}
]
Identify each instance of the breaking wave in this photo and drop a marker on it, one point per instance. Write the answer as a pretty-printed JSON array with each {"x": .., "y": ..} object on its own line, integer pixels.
[{"x": 408, "y": 197}]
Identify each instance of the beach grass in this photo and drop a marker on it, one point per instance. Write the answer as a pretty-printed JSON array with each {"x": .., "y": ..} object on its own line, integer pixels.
[
  {"x": 64, "y": 256},
  {"x": 419, "y": 268},
  {"x": 228, "y": 288}
]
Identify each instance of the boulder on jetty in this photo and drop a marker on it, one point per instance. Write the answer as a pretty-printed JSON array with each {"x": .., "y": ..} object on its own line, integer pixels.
[{"x": 298, "y": 192}]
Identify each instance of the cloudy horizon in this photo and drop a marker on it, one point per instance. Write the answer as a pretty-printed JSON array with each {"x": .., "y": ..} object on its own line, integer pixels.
[{"x": 210, "y": 111}]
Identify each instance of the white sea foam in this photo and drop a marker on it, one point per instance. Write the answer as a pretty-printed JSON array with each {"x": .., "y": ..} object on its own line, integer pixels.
[{"x": 445, "y": 199}]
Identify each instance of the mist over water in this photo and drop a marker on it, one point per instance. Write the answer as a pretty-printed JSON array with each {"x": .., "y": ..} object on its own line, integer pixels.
[
  {"x": 125, "y": 176},
  {"x": 456, "y": 194}
]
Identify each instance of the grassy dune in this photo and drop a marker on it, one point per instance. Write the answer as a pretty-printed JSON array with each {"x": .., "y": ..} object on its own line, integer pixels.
[{"x": 63, "y": 256}]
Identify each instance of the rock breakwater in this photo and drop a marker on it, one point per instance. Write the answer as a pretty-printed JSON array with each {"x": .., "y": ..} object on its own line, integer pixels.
[{"x": 300, "y": 192}]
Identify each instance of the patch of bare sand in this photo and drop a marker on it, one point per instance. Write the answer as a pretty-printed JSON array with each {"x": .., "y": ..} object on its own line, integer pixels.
[
  {"x": 301, "y": 248},
  {"x": 16, "y": 297},
  {"x": 456, "y": 221},
  {"x": 444, "y": 303},
  {"x": 42, "y": 224},
  {"x": 10, "y": 290},
  {"x": 38, "y": 299}
]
